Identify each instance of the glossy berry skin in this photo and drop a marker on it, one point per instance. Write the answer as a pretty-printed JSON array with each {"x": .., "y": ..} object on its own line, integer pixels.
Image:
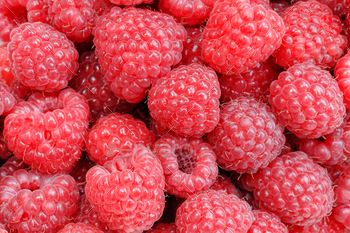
[
  {"x": 4, "y": 151},
  {"x": 266, "y": 222},
  {"x": 338, "y": 7},
  {"x": 280, "y": 6},
  {"x": 189, "y": 164},
  {"x": 213, "y": 211},
  {"x": 192, "y": 52},
  {"x": 341, "y": 72},
  {"x": 12, "y": 164},
  {"x": 163, "y": 228},
  {"x": 47, "y": 131},
  {"x": 90, "y": 83},
  {"x": 295, "y": 189},
  {"x": 5, "y": 68},
  {"x": 41, "y": 57},
  {"x": 116, "y": 135},
  {"x": 135, "y": 48},
  {"x": 341, "y": 214},
  {"x": 239, "y": 35},
  {"x": 10, "y": 17},
  {"x": 224, "y": 183},
  {"x": 127, "y": 193},
  {"x": 312, "y": 35},
  {"x": 7, "y": 100},
  {"x": 248, "y": 136},
  {"x": 79, "y": 228},
  {"x": 3, "y": 229},
  {"x": 130, "y": 2},
  {"x": 307, "y": 101},
  {"x": 342, "y": 188},
  {"x": 33, "y": 203},
  {"x": 186, "y": 100}
]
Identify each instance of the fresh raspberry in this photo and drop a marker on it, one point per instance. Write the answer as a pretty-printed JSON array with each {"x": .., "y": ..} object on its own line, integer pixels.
[
  {"x": 337, "y": 6},
  {"x": 192, "y": 52},
  {"x": 264, "y": 3},
  {"x": 3, "y": 229},
  {"x": 346, "y": 32},
  {"x": 341, "y": 72},
  {"x": 213, "y": 211},
  {"x": 90, "y": 83},
  {"x": 41, "y": 57},
  {"x": 342, "y": 187},
  {"x": 4, "y": 151},
  {"x": 244, "y": 181},
  {"x": 280, "y": 6},
  {"x": 12, "y": 164},
  {"x": 163, "y": 228},
  {"x": 116, "y": 135},
  {"x": 135, "y": 48},
  {"x": 20, "y": 91},
  {"x": 255, "y": 82},
  {"x": 295, "y": 189},
  {"x": 36, "y": 203},
  {"x": 342, "y": 214},
  {"x": 238, "y": 36},
  {"x": 186, "y": 100},
  {"x": 79, "y": 228},
  {"x": 307, "y": 101},
  {"x": 266, "y": 222},
  {"x": 12, "y": 14},
  {"x": 312, "y": 35},
  {"x": 130, "y": 2},
  {"x": 248, "y": 136},
  {"x": 224, "y": 183},
  {"x": 5, "y": 68},
  {"x": 80, "y": 170},
  {"x": 189, "y": 164},
  {"x": 7, "y": 100},
  {"x": 127, "y": 193},
  {"x": 48, "y": 130}
]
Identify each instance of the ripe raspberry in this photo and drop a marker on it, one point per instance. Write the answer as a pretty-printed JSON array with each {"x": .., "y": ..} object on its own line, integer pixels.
[
  {"x": 307, "y": 100},
  {"x": 12, "y": 14},
  {"x": 7, "y": 100},
  {"x": 280, "y": 6},
  {"x": 255, "y": 83},
  {"x": 342, "y": 188},
  {"x": 80, "y": 170},
  {"x": 130, "y": 2},
  {"x": 345, "y": 31},
  {"x": 36, "y": 203},
  {"x": 295, "y": 189},
  {"x": 341, "y": 72},
  {"x": 41, "y": 57},
  {"x": 163, "y": 228},
  {"x": 264, "y": 3},
  {"x": 312, "y": 35},
  {"x": 5, "y": 68},
  {"x": 213, "y": 211},
  {"x": 266, "y": 222},
  {"x": 244, "y": 181},
  {"x": 3, "y": 229},
  {"x": 135, "y": 48},
  {"x": 4, "y": 151},
  {"x": 79, "y": 228},
  {"x": 223, "y": 183},
  {"x": 48, "y": 130},
  {"x": 127, "y": 193},
  {"x": 186, "y": 100},
  {"x": 237, "y": 45},
  {"x": 12, "y": 164},
  {"x": 342, "y": 214},
  {"x": 248, "y": 136},
  {"x": 337, "y": 6},
  {"x": 189, "y": 164},
  {"x": 192, "y": 52},
  {"x": 116, "y": 135}
]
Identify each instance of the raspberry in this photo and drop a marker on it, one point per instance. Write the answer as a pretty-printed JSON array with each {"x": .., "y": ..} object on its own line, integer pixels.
[
  {"x": 48, "y": 130},
  {"x": 192, "y": 52},
  {"x": 36, "y": 203},
  {"x": 7, "y": 100},
  {"x": 244, "y": 181},
  {"x": 341, "y": 72},
  {"x": 312, "y": 35},
  {"x": 223, "y": 183},
  {"x": 163, "y": 228},
  {"x": 186, "y": 100},
  {"x": 41, "y": 57},
  {"x": 4, "y": 151},
  {"x": 3, "y": 229},
  {"x": 128, "y": 195},
  {"x": 135, "y": 48},
  {"x": 280, "y": 6},
  {"x": 80, "y": 170},
  {"x": 337, "y": 6},
  {"x": 307, "y": 100},
  {"x": 12, "y": 164},
  {"x": 342, "y": 214},
  {"x": 189, "y": 164},
  {"x": 10, "y": 17},
  {"x": 342, "y": 189},
  {"x": 295, "y": 189},
  {"x": 248, "y": 136},
  {"x": 213, "y": 211},
  {"x": 264, "y": 3},
  {"x": 79, "y": 228},
  {"x": 238, "y": 36},
  {"x": 255, "y": 83},
  {"x": 116, "y": 135},
  {"x": 266, "y": 222},
  {"x": 5, "y": 68},
  {"x": 130, "y": 2}
]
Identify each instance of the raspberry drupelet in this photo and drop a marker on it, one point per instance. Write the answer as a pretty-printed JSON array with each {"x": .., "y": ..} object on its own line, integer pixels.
[
  {"x": 341, "y": 72},
  {"x": 135, "y": 48},
  {"x": 342, "y": 188},
  {"x": 192, "y": 52},
  {"x": 47, "y": 131},
  {"x": 266, "y": 222},
  {"x": 7, "y": 100},
  {"x": 163, "y": 228},
  {"x": 130, "y": 2},
  {"x": 12, "y": 164},
  {"x": 79, "y": 228},
  {"x": 342, "y": 214},
  {"x": 5, "y": 68}
]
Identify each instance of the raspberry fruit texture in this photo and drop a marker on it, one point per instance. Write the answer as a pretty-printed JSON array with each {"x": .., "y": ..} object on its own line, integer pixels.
[
  {"x": 5, "y": 68},
  {"x": 79, "y": 228},
  {"x": 90, "y": 83},
  {"x": 307, "y": 101},
  {"x": 186, "y": 100},
  {"x": 213, "y": 211},
  {"x": 127, "y": 193},
  {"x": 130, "y": 2},
  {"x": 135, "y": 48},
  {"x": 338, "y": 7},
  {"x": 312, "y": 35},
  {"x": 342, "y": 188},
  {"x": 163, "y": 228},
  {"x": 295, "y": 189},
  {"x": 266, "y": 222},
  {"x": 342, "y": 214},
  {"x": 116, "y": 135},
  {"x": 192, "y": 52},
  {"x": 224, "y": 183},
  {"x": 189, "y": 164},
  {"x": 248, "y": 136},
  {"x": 3, "y": 229},
  {"x": 255, "y": 82},
  {"x": 4, "y": 151},
  {"x": 7, "y": 100},
  {"x": 47, "y": 131},
  {"x": 280, "y": 6},
  {"x": 238, "y": 36},
  {"x": 12, "y": 164},
  {"x": 41, "y": 57},
  {"x": 34, "y": 203},
  {"x": 341, "y": 72}
]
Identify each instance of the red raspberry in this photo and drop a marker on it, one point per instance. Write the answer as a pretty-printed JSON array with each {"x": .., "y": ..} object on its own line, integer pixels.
[
  {"x": 342, "y": 188},
  {"x": 307, "y": 100},
  {"x": 264, "y": 3},
  {"x": 48, "y": 130},
  {"x": 280, "y": 6},
  {"x": 192, "y": 52},
  {"x": 346, "y": 32},
  {"x": 90, "y": 83},
  {"x": 135, "y": 48},
  {"x": 341, "y": 72},
  {"x": 213, "y": 211},
  {"x": 295, "y": 189},
  {"x": 5, "y": 68},
  {"x": 244, "y": 181},
  {"x": 12, "y": 14},
  {"x": 266, "y": 222},
  {"x": 3, "y": 229},
  {"x": 41, "y": 57},
  {"x": 223, "y": 183},
  {"x": 79, "y": 228},
  {"x": 4, "y": 151},
  {"x": 312, "y": 35},
  {"x": 36, "y": 203},
  {"x": 189, "y": 164},
  {"x": 255, "y": 83},
  {"x": 248, "y": 136},
  {"x": 337, "y": 6},
  {"x": 12, "y": 164},
  {"x": 7, "y": 100},
  {"x": 251, "y": 35},
  {"x": 80, "y": 170},
  {"x": 127, "y": 193},
  {"x": 116, "y": 135},
  {"x": 130, "y": 2},
  {"x": 342, "y": 214},
  {"x": 163, "y": 228},
  {"x": 186, "y": 100}
]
